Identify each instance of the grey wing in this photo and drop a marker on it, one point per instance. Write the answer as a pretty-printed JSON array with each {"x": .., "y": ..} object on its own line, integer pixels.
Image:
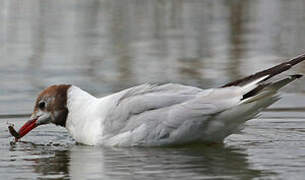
[
  {"x": 145, "y": 98},
  {"x": 152, "y": 112}
]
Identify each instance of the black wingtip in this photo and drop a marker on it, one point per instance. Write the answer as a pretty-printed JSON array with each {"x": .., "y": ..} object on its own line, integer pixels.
[
  {"x": 297, "y": 76},
  {"x": 271, "y": 71}
]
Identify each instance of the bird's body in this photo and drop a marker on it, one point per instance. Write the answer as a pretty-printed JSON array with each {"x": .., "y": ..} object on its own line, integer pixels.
[
  {"x": 158, "y": 115},
  {"x": 152, "y": 115}
]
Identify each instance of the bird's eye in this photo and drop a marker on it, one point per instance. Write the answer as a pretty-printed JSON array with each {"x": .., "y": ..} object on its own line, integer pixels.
[{"x": 42, "y": 105}]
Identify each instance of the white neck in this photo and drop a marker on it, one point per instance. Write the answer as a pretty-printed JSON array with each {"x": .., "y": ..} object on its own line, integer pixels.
[{"x": 82, "y": 122}]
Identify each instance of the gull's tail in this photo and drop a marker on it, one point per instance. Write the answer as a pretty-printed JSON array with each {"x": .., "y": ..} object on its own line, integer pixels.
[
  {"x": 256, "y": 95},
  {"x": 268, "y": 73},
  {"x": 255, "y": 86}
]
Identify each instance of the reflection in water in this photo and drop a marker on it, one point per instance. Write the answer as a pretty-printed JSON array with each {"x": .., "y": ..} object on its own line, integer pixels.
[
  {"x": 53, "y": 166},
  {"x": 118, "y": 44},
  {"x": 81, "y": 162}
]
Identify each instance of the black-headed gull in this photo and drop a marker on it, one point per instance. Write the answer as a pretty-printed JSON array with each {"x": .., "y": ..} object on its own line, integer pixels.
[{"x": 157, "y": 115}]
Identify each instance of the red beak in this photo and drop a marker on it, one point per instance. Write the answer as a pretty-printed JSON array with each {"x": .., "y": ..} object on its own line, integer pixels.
[{"x": 26, "y": 128}]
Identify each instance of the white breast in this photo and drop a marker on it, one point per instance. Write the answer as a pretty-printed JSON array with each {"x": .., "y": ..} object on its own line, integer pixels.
[
  {"x": 86, "y": 115},
  {"x": 82, "y": 122}
]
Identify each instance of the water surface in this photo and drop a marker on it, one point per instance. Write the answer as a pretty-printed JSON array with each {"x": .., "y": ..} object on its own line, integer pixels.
[{"x": 104, "y": 46}]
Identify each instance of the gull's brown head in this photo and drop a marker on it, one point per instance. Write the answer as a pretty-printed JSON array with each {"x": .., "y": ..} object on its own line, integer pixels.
[{"x": 50, "y": 107}]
